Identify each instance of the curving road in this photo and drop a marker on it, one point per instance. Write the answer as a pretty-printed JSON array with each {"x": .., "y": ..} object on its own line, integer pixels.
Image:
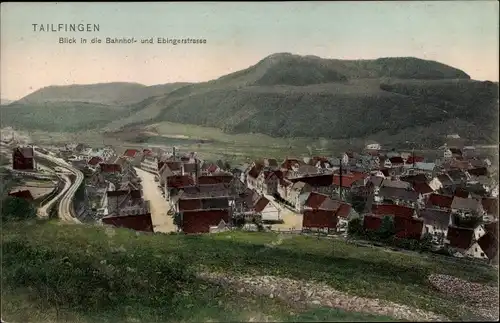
[
  {"x": 43, "y": 211},
  {"x": 65, "y": 210}
]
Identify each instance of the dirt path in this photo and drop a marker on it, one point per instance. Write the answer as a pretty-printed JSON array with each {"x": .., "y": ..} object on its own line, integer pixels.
[
  {"x": 300, "y": 293},
  {"x": 159, "y": 206}
]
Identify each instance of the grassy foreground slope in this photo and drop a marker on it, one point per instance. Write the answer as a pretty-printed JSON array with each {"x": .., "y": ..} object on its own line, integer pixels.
[{"x": 54, "y": 272}]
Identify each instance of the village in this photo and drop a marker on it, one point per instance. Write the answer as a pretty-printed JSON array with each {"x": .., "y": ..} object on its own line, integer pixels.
[{"x": 453, "y": 200}]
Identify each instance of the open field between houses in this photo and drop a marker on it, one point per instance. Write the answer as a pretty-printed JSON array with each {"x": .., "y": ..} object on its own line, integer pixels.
[{"x": 130, "y": 269}]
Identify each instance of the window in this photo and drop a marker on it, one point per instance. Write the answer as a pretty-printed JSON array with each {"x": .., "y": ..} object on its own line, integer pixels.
[
  {"x": 482, "y": 254},
  {"x": 427, "y": 229},
  {"x": 476, "y": 249}
]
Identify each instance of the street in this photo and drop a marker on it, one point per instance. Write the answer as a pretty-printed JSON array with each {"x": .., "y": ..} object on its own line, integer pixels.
[
  {"x": 159, "y": 206},
  {"x": 291, "y": 219}
]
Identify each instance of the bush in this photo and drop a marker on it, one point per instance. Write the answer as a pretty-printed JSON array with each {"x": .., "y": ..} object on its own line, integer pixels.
[
  {"x": 387, "y": 229},
  {"x": 355, "y": 227},
  {"x": 15, "y": 209}
]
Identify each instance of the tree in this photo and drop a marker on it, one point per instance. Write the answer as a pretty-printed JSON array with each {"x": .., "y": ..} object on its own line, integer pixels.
[
  {"x": 177, "y": 219},
  {"x": 355, "y": 227},
  {"x": 426, "y": 242},
  {"x": 387, "y": 229},
  {"x": 358, "y": 203},
  {"x": 14, "y": 208}
]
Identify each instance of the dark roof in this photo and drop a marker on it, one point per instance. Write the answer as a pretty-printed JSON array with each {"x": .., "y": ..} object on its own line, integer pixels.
[
  {"x": 315, "y": 200},
  {"x": 460, "y": 203},
  {"x": 179, "y": 181},
  {"x": 437, "y": 218},
  {"x": 174, "y": 165},
  {"x": 456, "y": 151},
  {"x": 490, "y": 205},
  {"x": 329, "y": 204},
  {"x": 480, "y": 171},
  {"x": 419, "y": 178},
  {"x": 492, "y": 228},
  {"x": 140, "y": 222},
  {"x": 461, "y": 238},
  {"x": 191, "y": 204},
  {"x": 27, "y": 152},
  {"x": 95, "y": 160},
  {"x": 24, "y": 194},
  {"x": 376, "y": 180},
  {"x": 110, "y": 168},
  {"x": 489, "y": 244},
  {"x": 460, "y": 192},
  {"x": 189, "y": 167},
  {"x": 319, "y": 219},
  {"x": 416, "y": 159},
  {"x": 392, "y": 209},
  {"x": 396, "y": 160},
  {"x": 398, "y": 193},
  {"x": 289, "y": 162},
  {"x": 314, "y": 181},
  {"x": 214, "y": 179},
  {"x": 255, "y": 171},
  {"x": 422, "y": 188},
  {"x": 260, "y": 204},
  {"x": 440, "y": 201}
]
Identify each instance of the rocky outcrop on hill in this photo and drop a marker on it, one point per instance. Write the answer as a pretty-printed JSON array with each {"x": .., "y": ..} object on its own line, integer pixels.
[{"x": 306, "y": 294}]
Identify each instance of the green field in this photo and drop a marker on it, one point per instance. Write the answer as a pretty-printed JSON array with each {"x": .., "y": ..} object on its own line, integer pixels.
[{"x": 51, "y": 270}]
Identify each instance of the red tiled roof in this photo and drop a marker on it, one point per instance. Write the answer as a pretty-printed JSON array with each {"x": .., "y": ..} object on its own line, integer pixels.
[
  {"x": 26, "y": 152},
  {"x": 289, "y": 162},
  {"x": 396, "y": 160},
  {"x": 479, "y": 171},
  {"x": 315, "y": 200},
  {"x": 319, "y": 219},
  {"x": 392, "y": 209},
  {"x": 372, "y": 222},
  {"x": 200, "y": 221},
  {"x": 179, "y": 181},
  {"x": 110, "y": 168},
  {"x": 95, "y": 160},
  {"x": 130, "y": 153},
  {"x": 214, "y": 179},
  {"x": 261, "y": 204},
  {"x": 255, "y": 171},
  {"x": 344, "y": 210},
  {"x": 279, "y": 174},
  {"x": 422, "y": 188},
  {"x": 191, "y": 204},
  {"x": 141, "y": 222},
  {"x": 408, "y": 228},
  {"x": 23, "y": 194},
  {"x": 440, "y": 201},
  {"x": 314, "y": 181},
  {"x": 460, "y": 237},
  {"x": 348, "y": 179},
  {"x": 490, "y": 205},
  {"x": 417, "y": 159}
]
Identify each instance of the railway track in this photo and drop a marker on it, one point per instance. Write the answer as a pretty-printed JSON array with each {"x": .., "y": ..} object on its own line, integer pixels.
[{"x": 65, "y": 210}]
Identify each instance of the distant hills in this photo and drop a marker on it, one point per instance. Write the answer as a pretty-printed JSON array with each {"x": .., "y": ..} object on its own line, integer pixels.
[{"x": 288, "y": 95}]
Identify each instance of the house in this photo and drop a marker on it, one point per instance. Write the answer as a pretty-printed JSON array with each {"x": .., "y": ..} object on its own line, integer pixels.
[
  {"x": 438, "y": 201},
  {"x": 267, "y": 210},
  {"x": 372, "y": 222},
  {"x": 150, "y": 163},
  {"x": 423, "y": 189},
  {"x": 388, "y": 182},
  {"x": 490, "y": 207},
  {"x": 436, "y": 223},
  {"x": 110, "y": 168},
  {"x": 271, "y": 163},
  {"x": 267, "y": 182},
  {"x": 120, "y": 200},
  {"x": 414, "y": 159},
  {"x": 396, "y": 161},
  {"x": 408, "y": 228},
  {"x": 447, "y": 153},
  {"x": 131, "y": 153},
  {"x": 345, "y": 213},
  {"x": 398, "y": 196},
  {"x": 173, "y": 184},
  {"x": 416, "y": 178},
  {"x": 315, "y": 200},
  {"x": 435, "y": 184},
  {"x": 200, "y": 221},
  {"x": 209, "y": 168},
  {"x": 291, "y": 164},
  {"x": 22, "y": 194},
  {"x": 466, "y": 206},
  {"x": 138, "y": 222},
  {"x": 319, "y": 221},
  {"x": 392, "y": 210},
  {"x": 489, "y": 241},
  {"x": 347, "y": 183},
  {"x": 23, "y": 158},
  {"x": 296, "y": 195},
  {"x": 463, "y": 241},
  {"x": 253, "y": 175},
  {"x": 94, "y": 161},
  {"x": 215, "y": 179}
]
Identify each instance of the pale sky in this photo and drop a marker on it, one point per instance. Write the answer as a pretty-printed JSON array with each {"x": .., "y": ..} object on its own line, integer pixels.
[{"x": 461, "y": 34}]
